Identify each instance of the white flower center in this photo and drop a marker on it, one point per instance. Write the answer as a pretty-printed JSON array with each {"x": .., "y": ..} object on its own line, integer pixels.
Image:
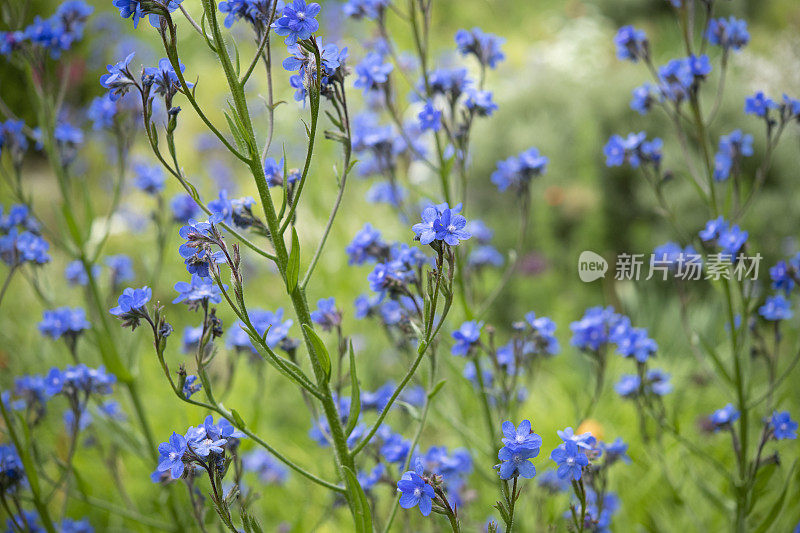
[
  {"x": 417, "y": 492},
  {"x": 570, "y": 461},
  {"x": 301, "y": 15}
]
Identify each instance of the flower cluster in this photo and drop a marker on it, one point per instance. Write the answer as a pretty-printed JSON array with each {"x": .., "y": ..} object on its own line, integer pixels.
[
  {"x": 730, "y": 33},
  {"x": 20, "y": 241},
  {"x": 732, "y": 148},
  {"x": 632, "y": 44},
  {"x": 441, "y": 223},
  {"x": 517, "y": 172},
  {"x": 202, "y": 446},
  {"x": 64, "y": 322},
  {"x": 484, "y": 46},
  {"x": 520, "y": 445},
  {"x": 656, "y": 382},
  {"x": 730, "y": 238},
  {"x": 270, "y": 326},
  {"x": 298, "y": 22},
  {"x": 634, "y": 150},
  {"x": 53, "y": 35}
]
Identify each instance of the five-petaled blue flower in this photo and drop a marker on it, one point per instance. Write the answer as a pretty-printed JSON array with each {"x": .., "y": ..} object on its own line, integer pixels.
[
  {"x": 782, "y": 426},
  {"x": 776, "y": 308},
  {"x": 414, "y": 490},
  {"x": 570, "y": 460},
  {"x": 466, "y": 337},
  {"x": 171, "y": 452},
  {"x": 298, "y": 21}
]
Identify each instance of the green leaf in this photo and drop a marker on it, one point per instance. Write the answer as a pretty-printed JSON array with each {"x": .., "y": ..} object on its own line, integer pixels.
[
  {"x": 435, "y": 390},
  {"x": 355, "y": 395},
  {"x": 775, "y": 510},
  {"x": 762, "y": 485},
  {"x": 319, "y": 348},
  {"x": 237, "y": 135},
  {"x": 500, "y": 506},
  {"x": 358, "y": 502},
  {"x": 238, "y": 418},
  {"x": 293, "y": 267}
]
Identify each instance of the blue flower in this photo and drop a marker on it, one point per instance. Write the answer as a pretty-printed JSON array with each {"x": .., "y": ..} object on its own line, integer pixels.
[
  {"x": 635, "y": 342},
  {"x": 782, "y": 426},
  {"x": 644, "y": 97},
  {"x": 130, "y": 8},
  {"x": 184, "y": 208},
  {"x": 369, "y": 479},
  {"x": 628, "y": 385},
  {"x": 484, "y": 46},
  {"x": 131, "y": 304},
  {"x": 370, "y": 9},
  {"x": 102, "y": 111},
  {"x": 515, "y": 461},
  {"x": 372, "y": 72},
  {"x": 64, "y": 322},
  {"x": 480, "y": 102},
  {"x": 759, "y": 104},
  {"x": 784, "y": 273},
  {"x": 467, "y": 336},
  {"x": 149, "y": 178},
  {"x": 776, "y": 308},
  {"x": 592, "y": 330},
  {"x": 615, "y": 451},
  {"x": 119, "y": 78},
  {"x": 485, "y": 255},
  {"x": 84, "y": 420},
  {"x": 631, "y": 44},
  {"x": 76, "y": 274},
  {"x": 171, "y": 455},
  {"x": 729, "y": 34},
  {"x": 415, "y": 491},
  {"x": 584, "y": 440},
  {"x": 76, "y": 526},
  {"x": 634, "y": 150},
  {"x": 17, "y": 248},
  {"x": 713, "y": 229},
  {"x": 658, "y": 382},
  {"x": 387, "y": 192},
  {"x": 194, "y": 253},
  {"x": 518, "y": 171},
  {"x": 265, "y": 466},
  {"x": 730, "y": 238},
  {"x": 326, "y": 315},
  {"x": 198, "y": 290},
  {"x": 269, "y": 325},
  {"x": 298, "y": 21},
  {"x": 723, "y": 418},
  {"x": 449, "y": 227},
  {"x": 121, "y": 268},
  {"x": 450, "y": 83},
  {"x": 732, "y": 148},
  {"x": 549, "y": 480},
  {"x": 367, "y": 245},
  {"x": 570, "y": 460},
  {"x": 12, "y": 472},
  {"x": 395, "y": 448},
  {"x": 430, "y": 118},
  {"x": 165, "y": 79},
  {"x": 680, "y": 77},
  {"x": 379, "y": 399},
  {"x": 256, "y": 12},
  {"x": 521, "y": 436}
]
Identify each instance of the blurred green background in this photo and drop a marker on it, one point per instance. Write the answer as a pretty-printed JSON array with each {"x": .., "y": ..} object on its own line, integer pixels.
[{"x": 562, "y": 90}]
